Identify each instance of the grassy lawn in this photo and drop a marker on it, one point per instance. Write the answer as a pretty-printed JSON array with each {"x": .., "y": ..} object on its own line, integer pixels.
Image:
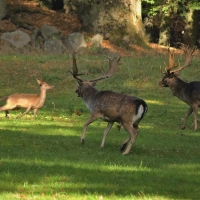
[{"x": 44, "y": 158}]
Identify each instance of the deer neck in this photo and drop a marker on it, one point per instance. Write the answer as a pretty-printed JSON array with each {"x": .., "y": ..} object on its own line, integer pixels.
[
  {"x": 41, "y": 98},
  {"x": 178, "y": 88},
  {"x": 89, "y": 94}
]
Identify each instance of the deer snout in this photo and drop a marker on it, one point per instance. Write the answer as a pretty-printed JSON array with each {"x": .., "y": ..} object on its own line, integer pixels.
[
  {"x": 162, "y": 84},
  {"x": 51, "y": 87}
]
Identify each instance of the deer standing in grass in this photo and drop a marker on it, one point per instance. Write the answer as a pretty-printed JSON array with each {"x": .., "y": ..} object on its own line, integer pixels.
[
  {"x": 110, "y": 106},
  {"x": 27, "y": 101},
  {"x": 187, "y": 92}
]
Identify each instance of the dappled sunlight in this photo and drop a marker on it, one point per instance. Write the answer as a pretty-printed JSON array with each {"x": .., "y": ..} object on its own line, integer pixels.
[
  {"x": 154, "y": 102},
  {"x": 81, "y": 165},
  {"x": 100, "y": 179},
  {"x": 144, "y": 126},
  {"x": 188, "y": 167}
]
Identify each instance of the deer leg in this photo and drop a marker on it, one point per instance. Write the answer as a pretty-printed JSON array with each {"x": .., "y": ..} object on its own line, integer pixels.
[
  {"x": 195, "y": 109},
  {"x": 6, "y": 108},
  {"x": 124, "y": 144},
  {"x": 92, "y": 118},
  {"x": 109, "y": 126},
  {"x": 35, "y": 112},
  {"x": 190, "y": 110},
  {"x": 27, "y": 110},
  {"x": 133, "y": 134},
  {"x": 7, "y": 114}
]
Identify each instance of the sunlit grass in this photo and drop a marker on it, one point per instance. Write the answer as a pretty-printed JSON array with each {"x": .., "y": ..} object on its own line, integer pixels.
[
  {"x": 43, "y": 158},
  {"x": 154, "y": 102}
]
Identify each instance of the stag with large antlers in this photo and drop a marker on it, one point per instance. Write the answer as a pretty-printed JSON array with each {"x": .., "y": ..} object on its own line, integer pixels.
[
  {"x": 110, "y": 106},
  {"x": 187, "y": 92}
]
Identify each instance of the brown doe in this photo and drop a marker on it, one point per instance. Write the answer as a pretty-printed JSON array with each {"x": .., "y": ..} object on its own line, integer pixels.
[
  {"x": 27, "y": 101},
  {"x": 110, "y": 106},
  {"x": 187, "y": 92}
]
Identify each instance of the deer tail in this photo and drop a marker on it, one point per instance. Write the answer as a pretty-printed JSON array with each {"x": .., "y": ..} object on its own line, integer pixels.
[{"x": 141, "y": 110}]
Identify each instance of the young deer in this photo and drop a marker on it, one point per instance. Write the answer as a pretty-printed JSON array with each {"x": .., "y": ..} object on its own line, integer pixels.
[
  {"x": 110, "y": 106},
  {"x": 187, "y": 92},
  {"x": 28, "y": 101}
]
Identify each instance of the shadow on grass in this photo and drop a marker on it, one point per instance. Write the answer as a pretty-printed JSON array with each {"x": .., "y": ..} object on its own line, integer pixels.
[{"x": 54, "y": 163}]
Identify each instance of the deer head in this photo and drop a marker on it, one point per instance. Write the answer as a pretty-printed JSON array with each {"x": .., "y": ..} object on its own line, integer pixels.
[
  {"x": 113, "y": 66},
  {"x": 172, "y": 70}
]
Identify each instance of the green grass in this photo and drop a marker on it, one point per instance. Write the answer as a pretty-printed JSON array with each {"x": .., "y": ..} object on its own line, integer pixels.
[{"x": 44, "y": 159}]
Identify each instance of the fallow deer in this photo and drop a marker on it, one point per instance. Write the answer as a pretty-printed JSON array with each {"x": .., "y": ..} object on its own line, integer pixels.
[
  {"x": 187, "y": 92},
  {"x": 27, "y": 101},
  {"x": 110, "y": 106}
]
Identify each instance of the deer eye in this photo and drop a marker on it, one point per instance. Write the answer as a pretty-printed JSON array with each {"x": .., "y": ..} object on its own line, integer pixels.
[{"x": 171, "y": 75}]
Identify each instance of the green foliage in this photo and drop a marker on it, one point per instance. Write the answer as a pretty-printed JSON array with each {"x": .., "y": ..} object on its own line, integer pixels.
[
  {"x": 195, "y": 5},
  {"x": 174, "y": 6},
  {"x": 43, "y": 158}
]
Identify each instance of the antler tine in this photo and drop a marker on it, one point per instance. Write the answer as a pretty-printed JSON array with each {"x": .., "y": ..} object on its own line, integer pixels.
[
  {"x": 161, "y": 71},
  {"x": 113, "y": 65},
  {"x": 171, "y": 61},
  {"x": 189, "y": 52},
  {"x": 75, "y": 69}
]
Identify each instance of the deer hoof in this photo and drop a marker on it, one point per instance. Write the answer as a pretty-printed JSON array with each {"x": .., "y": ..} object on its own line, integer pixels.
[
  {"x": 8, "y": 116},
  {"x": 123, "y": 147},
  {"x": 125, "y": 153}
]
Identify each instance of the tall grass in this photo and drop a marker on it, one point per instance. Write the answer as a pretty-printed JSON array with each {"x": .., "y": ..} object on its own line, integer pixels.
[{"x": 44, "y": 159}]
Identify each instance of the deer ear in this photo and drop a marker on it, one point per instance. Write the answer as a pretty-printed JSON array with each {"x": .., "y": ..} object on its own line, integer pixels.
[{"x": 39, "y": 81}]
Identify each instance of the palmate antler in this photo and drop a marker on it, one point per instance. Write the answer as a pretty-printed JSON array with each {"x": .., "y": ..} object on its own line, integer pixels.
[
  {"x": 189, "y": 52},
  {"x": 171, "y": 61},
  {"x": 113, "y": 65}
]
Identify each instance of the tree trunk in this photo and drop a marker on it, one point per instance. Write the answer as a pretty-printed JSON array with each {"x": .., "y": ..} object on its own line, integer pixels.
[
  {"x": 191, "y": 28},
  {"x": 119, "y": 21},
  {"x": 2, "y": 9},
  {"x": 164, "y": 37}
]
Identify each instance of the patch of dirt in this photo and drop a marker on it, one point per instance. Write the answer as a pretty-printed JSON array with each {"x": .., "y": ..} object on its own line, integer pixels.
[{"x": 31, "y": 15}]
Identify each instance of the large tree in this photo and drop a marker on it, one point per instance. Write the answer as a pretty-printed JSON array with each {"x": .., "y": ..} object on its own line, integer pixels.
[
  {"x": 192, "y": 18},
  {"x": 120, "y": 21}
]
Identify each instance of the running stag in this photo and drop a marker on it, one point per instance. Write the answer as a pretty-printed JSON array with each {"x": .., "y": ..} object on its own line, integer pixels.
[{"x": 110, "y": 106}]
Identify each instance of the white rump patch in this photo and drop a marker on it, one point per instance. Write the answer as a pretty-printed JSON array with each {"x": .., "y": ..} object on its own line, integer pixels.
[{"x": 139, "y": 114}]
